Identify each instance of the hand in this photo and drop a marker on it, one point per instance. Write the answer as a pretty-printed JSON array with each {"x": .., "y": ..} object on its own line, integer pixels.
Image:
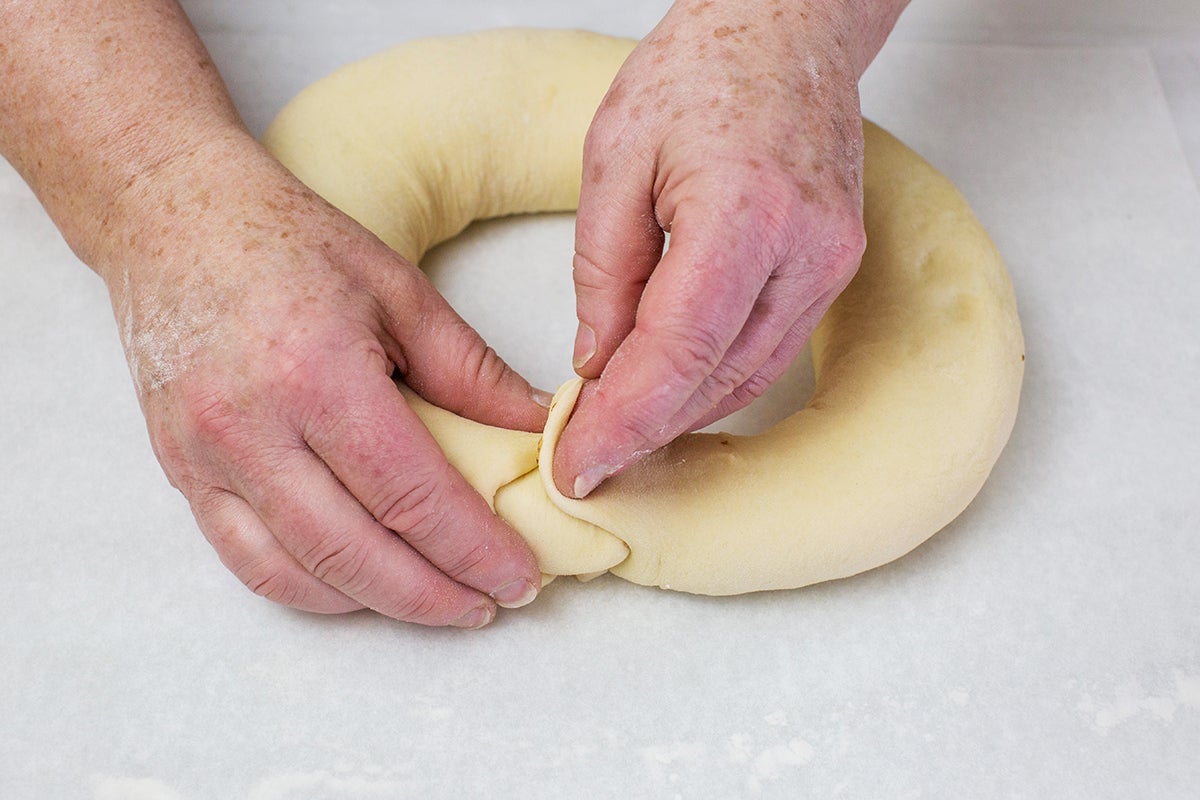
[
  {"x": 263, "y": 328},
  {"x": 736, "y": 129}
]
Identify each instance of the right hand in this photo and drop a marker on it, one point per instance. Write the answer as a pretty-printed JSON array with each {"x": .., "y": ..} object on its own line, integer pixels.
[
  {"x": 751, "y": 157},
  {"x": 263, "y": 328}
]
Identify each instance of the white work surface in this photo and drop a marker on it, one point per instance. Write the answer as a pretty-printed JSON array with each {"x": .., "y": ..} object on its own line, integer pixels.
[{"x": 1046, "y": 644}]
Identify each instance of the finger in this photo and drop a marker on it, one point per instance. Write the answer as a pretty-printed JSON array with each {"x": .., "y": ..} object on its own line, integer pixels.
[
  {"x": 694, "y": 306},
  {"x": 249, "y": 550},
  {"x": 738, "y": 275},
  {"x": 771, "y": 369},
  {"x": 618, "y": 243},
  {"x": 333, "y": 537},
  {"x": 756, "y": 359},
  {"x": 445, "y": 361},
  {"x": 382, "y": 453}
]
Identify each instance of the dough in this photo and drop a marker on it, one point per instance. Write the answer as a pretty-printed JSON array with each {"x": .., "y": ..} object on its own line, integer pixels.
[{"x": 918, "y": 363}]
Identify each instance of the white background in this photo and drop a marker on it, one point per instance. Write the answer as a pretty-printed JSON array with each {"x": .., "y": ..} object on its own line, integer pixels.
[{"x": 1046, "y": 644}]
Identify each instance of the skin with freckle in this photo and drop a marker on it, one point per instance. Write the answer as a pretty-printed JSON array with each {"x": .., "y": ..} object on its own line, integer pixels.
[
  {"x": 265, "y": 329},
  {"x": 746, "y": 147},
  {"x": 919, "y": 362}
]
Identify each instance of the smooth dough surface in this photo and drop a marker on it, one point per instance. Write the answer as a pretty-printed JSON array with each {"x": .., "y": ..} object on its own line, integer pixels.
[{"x": 918, "y": 364}]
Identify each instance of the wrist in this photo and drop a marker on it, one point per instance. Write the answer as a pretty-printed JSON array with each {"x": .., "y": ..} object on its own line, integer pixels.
[
  {"x": 863, "y": 26},
  {"x": 160, "y": 201},
  {"x": 853, "y": 30}
]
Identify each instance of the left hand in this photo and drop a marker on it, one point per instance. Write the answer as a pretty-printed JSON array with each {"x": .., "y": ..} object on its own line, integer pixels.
[{"x": 736, "y": 129}]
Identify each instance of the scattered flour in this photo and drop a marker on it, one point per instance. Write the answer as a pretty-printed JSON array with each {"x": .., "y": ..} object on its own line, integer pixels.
[
  {"x": 107, "y": 787},
  {"x": 322, "y": 785},
  {"x": 160, "y": 338},
  {"x": 777, "y": 762},
  {"x": 1131, "y": 702},
  {"x": 1187, "y": 690},
  {"x": 673, "y": 753},
  {"x": 776, "y": 719}
]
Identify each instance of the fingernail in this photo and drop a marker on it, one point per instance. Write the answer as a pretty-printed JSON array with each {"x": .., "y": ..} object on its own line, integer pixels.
[
  {"x": 589, "y": 479},
  {"x": 585, "y": 345},
  {"x": 516, "y": 594},
  {"x": 542, "y": 398},
  {"x": 474, "y": 619}
]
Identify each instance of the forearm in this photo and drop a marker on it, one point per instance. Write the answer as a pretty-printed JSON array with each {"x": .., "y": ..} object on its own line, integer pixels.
[
  {"x": 859, "y": 27},
  {"x": 95, "y": 97},
  {"x": 873, "y": 21}
]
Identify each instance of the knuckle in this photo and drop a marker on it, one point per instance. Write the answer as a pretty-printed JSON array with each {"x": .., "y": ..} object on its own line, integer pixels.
[
  {"x": 831, "y": 267},
  {"x": 769, "y": 206},
  {"x": 293, "y": 358},
  {"x": 341, "y": 562},
  {"x": 724, "y": 382},
  {"x": 482, "y": 367},
  {"x": 420, "y": 604},
  {"x": 273, "y": 582},
  {"x": 839, "y": 232},
  {"x": 326, "y": 421},
  {"x": 212, "y": 416},
  {"x": 641, "y": 427},
  {"x": 618, "y": 250},
  {"x": 687, "y": 353},
  {"x": 588, "y": 272},
  {"x": 850, "y": 239},
  {"x": 842, "y": 249},
  {"x": 266, "y": 574},
  {"x": 410, "y": 506},
  {"x": 750, "y": 390},
  {"x": 463, "y": 563},
  {"x": 786, "y": 216},
  {"x": 488, "y": 368},
  {"x": 306, "y": 375},
  {"x": 777, "y": 206},
  {"x": 603, "y": 135},
  {"x": 693, "y": 350}
]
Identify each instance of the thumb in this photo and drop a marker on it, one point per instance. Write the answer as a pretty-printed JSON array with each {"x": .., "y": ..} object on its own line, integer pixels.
[
  {"x": 447, "y": 362},
  {"x": 618, "y": 243}
]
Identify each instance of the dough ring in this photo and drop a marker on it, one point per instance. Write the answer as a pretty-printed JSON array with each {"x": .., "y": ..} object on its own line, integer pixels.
[{"x": 918, "y": 363}]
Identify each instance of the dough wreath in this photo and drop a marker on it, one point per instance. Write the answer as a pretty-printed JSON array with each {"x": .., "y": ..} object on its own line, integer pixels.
[{"x": 918, "y": 363}]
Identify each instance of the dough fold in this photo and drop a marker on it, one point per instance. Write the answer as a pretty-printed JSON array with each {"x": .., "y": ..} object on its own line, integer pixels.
[{"x": 918, "y": 364}]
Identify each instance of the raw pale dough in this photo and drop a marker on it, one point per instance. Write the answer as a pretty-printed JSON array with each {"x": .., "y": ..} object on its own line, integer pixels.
[{"x": 918, "y": 363}]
